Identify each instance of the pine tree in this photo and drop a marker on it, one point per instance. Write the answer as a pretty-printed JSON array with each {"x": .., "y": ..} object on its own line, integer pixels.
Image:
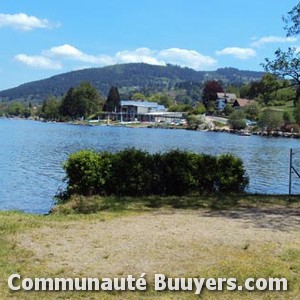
[{"x": 113, "y": 102}]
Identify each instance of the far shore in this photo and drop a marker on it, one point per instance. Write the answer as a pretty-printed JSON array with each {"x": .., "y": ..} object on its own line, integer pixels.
[{"x": 164, "y": 125}]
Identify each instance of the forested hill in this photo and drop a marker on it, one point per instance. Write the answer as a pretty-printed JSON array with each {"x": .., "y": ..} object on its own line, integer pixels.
[{"x": 128, "y": 77}]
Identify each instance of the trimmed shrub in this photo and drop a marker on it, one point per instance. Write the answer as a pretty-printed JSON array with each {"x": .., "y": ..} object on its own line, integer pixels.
[
  {"x": 133, "y": 172},
  {"x": 205, "y": 172},
  {"x": 174, "y": 171},
  {"x": 88, "y": 172},
  {"x": 130, "y": 173},
  {"x": 230, "y": 174}
]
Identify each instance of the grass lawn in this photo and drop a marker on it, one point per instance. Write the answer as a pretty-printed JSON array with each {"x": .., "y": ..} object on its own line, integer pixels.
[{"x": 241, "y": 237}]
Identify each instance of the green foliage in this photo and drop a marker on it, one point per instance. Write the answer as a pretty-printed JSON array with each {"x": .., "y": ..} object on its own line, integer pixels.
[
  {"x": 180, "y": 108},
  {"x": 286, "y": 65},
  {"x": 175, "y": 172},
  {"x": 237, "y": 119},
  {"x": 80, "y": 101},
  {"x": 138, "y": 96},
  {"x": 252, "y": 111},
  {"x": 199, "y": 109},
  {"x": 194, "y": 121},
  {"x": 162, "y": 99},
  {"x": 134, "y": 172},
  {"x": 270, "y": 119},
  {"x": 16, "y": 109},
  {"x": 230, "y": 174},
  {"x": 297, "y": 113},
  {"x": 228, "y": 109},
  {"x": 129, "y": 175},
  {"x": 292, "y": 21},
  {"x": 150, "y": 79},
  {"x": 88, "y": 172},
  {"x": 204, "y": 172},
  {"x": 288, "y": 118},
  {"x": 50, "y": 109}
]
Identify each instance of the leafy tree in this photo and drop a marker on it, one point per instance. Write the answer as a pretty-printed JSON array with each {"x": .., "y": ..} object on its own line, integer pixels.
[
  {"x": 287, "y": 63},
  {"x": 194, "y": 121},
  {"x": 81, "y": 101},
  {"x": 252, "y": 111},
  {"x": 138, "y": 96},
  {"x": 267, "y": 87},
  {"x": 199, "y": 109},
  {"x": 16, "y": 109},
  {"x": 113, "y": 102},
  {"x": 270, "y": 120},
  {"x": 162, "y": 98},
  {"x": 237, "y": 120},
  {"x": 180, "y": 108},
  {"x": 233, "y": 90},
  {"x": 244, "y": 91},
  {"x": 287, "y": 118},
  {"x": 50, "y": 109},
  {"x": 228, "y": 109},
  {"x": 292, "y": 21}
]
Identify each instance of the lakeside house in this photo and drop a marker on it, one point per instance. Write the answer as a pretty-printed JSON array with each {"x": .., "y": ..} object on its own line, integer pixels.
[
  {"x": 145, "y": 111},
  {"x": 226, "y": 98},
  {"x": 240, "y": 103},
  {"x": 223, "y": 99}
]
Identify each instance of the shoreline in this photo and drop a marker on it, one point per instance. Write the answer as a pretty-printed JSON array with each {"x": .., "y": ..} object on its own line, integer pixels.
[{"x": 152, "y": 125}]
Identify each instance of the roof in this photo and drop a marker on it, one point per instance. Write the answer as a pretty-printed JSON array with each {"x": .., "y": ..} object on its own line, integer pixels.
[
  {"x": 138, "y": 103},
  {"x": 230, "y": 97},
  {"x": 142, "y": 103},
  {"x": 242, "y": 102}
]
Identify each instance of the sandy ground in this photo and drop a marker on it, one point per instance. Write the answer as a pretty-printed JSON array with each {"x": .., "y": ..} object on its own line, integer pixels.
[{"x": 178, "y": 243}]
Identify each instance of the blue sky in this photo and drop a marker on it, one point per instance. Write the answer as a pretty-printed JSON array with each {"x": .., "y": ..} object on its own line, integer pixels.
[{"x": 40, "y": 39}]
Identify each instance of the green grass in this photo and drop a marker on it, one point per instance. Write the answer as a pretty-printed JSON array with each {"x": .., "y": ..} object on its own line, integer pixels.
[
  {"x": 86, "y": 205},
  {"x": 289, "y": 106},
  {"x": 251, "y": 260}
]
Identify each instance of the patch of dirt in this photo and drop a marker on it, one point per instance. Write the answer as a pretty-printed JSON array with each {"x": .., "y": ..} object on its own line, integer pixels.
[{"x": 178, "y": 242}]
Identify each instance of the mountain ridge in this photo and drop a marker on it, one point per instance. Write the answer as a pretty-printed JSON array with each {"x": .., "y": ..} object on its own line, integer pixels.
[{"x": 128, "y": 77}]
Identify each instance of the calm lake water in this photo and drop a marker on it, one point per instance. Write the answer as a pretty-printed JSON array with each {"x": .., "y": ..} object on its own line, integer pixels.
[{"x": 32, "y": 153}]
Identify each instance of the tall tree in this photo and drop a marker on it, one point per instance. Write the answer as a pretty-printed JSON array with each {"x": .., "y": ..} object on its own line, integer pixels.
[
  {"x": 287, "y": 63},
  {"x": 210, "y": 90},
  {"x": 113, "y": 102},
  {"x": 81, "y": 101},
  {"x": 292, "y": 21},
  {"x": 50, "y": 108}
]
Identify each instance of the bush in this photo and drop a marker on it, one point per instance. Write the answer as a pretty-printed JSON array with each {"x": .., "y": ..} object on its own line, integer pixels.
[
  {"x": 174, "y": 172},
  {"x": 88, "y": 172},
  {"x": 204, "y": 170},
  {"x": 230, "y": 175},
  {"x": 129, "y": 174},
  {"x": 134, "y": 172}
]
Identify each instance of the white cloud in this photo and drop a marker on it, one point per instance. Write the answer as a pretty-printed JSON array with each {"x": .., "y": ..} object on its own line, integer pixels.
[
  {"x": 40, "y": 62},
  {"x": 23, "y": 22},
  {"x": 67, "y": 51},
  {"x": 272, "y": 39},
  {"x": 55, "y": 56},
  {"x": 144, "y": 55},
  {"x": 186, "y": 58},
  {"x": 237, "y": 52}
]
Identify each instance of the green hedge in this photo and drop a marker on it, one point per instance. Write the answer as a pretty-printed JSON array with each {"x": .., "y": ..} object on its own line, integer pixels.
[{"x": 133, "y": 172}]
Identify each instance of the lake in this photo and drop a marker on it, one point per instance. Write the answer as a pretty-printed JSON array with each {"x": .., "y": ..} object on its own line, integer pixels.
[{"x": 32, "y": 154}]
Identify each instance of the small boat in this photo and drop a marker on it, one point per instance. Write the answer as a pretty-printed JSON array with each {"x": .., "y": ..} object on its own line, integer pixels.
[{"x": 244, "y": 133}]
